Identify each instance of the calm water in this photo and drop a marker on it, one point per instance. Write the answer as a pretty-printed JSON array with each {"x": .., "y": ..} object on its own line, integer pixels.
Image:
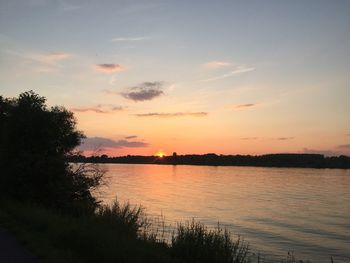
[{"x": 276, "y": 209}]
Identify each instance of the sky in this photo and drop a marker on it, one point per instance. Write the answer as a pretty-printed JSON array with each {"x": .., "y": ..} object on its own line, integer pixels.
[{"x": 225, "y": 77}]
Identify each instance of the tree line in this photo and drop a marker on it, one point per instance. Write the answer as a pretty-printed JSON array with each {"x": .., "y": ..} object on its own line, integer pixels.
[{"x": 267, "y": 160}]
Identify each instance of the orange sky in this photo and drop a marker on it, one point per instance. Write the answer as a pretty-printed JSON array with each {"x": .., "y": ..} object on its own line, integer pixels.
[{"x": 225, "y": 77}]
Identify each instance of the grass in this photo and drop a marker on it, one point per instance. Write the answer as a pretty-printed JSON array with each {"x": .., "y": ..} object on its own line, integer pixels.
[
  {"x": 119, "y": 233},
  {"x": 193, "y": 242}
]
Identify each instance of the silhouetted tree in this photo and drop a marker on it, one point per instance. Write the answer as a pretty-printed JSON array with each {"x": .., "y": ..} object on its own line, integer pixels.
[{"x": 34, "y": 143}]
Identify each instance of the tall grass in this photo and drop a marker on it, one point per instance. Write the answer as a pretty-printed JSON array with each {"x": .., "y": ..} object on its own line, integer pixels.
[
  {"x": 129, "y": 219},
  {"x": 194, "y": 242}
]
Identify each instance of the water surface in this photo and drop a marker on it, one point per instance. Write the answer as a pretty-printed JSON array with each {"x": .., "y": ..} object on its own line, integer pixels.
[{"x": 276, "y": 209}]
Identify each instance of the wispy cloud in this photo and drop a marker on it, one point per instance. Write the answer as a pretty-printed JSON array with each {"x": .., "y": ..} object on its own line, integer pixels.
[
  {"x": 101, "y": 108},
  {"x": 93, "y": 143},
  {"x": 45, "y": 62},
  {"x": 109, "y": 68},
  {"x": 42, "y": 58},
  {"x": 217, "y": 64},
  {"x": 284, "y": 138},
  {"x": 249, "y": 138},
  {"x": 130, "y": 137},
  {"x": 87, "y": 109},
  {"x": 50, "y": 56},
  {"x": 174, "y": 114},
  {"x": 247, "y": 105},
  {"x": 128, "y": 39},
  {"x": 144, "y": 91},
  {"x": 238, "y": 70}
]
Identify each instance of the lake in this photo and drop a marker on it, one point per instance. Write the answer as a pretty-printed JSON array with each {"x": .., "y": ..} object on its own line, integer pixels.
[{"x": 275, "y": 209}]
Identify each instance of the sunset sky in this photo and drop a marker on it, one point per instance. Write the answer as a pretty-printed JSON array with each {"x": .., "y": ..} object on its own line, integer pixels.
[{"x": 230, "y": 77}]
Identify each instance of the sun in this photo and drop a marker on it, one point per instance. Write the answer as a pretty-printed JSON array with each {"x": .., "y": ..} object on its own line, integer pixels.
[{"x": 160, "y": 154}]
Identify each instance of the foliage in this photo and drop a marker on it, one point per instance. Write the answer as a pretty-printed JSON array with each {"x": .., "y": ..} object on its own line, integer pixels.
[
  {"x": 193, "y": 242},
  {"x": 35, "y": 141},
  {"x": 131, "y": 219}
]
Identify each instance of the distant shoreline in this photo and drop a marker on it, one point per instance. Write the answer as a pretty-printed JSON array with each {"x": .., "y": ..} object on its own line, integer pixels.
[{"x": 269, "y": 160}]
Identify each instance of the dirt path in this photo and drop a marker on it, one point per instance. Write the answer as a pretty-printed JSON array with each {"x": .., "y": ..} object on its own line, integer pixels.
[{"x": 11, "y": 251}]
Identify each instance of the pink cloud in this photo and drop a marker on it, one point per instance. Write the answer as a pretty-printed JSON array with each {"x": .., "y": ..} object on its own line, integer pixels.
[
  {"x": 109, "y": 68},
  {"x": 175, "y": 114}
]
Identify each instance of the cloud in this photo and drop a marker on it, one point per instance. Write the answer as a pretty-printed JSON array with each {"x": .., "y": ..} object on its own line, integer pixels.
[
  {"x": 56, "y": 56},
  {"x": 50, "y": 56},
  {"x": 94, "y": 143},
  {"x": 109, "y": 68},
  {"x": 45, "y": 62},
  {"x": 42, "y": 62},
  {"x": 101, "y": 108},
  {"x": 144, "y": 91},
  {"x": 117, "y": 108},
  {"x": 130, "y": 137},
  {"x": 217, "y": 64},
  {"x": 128, "y": 39},
  {"x": 247, "y": 105},
  {"x": 249, "y": 138},
  {"x": 238, "y": 70},
  {"x": 111, "y": 107},
  {"x": 175, "y": 114},
  {"x": 96, "y": 110},
  {"x": 284, "y": 138}
]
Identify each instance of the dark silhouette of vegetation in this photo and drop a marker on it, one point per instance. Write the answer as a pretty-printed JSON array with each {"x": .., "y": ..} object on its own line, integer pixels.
[
  {"x": 193, "y": 242},
  {"x": 119, "y": 233},
  {"x": 268, "y": 160},
  {"x": 35, "y": 141}
]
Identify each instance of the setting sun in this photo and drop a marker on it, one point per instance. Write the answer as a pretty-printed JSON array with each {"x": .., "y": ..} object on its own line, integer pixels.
[{"x": 160, "y": 154}]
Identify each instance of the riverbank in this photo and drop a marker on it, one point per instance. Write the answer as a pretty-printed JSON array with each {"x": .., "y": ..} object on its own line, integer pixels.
[{"x": 117, "y": 234}]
